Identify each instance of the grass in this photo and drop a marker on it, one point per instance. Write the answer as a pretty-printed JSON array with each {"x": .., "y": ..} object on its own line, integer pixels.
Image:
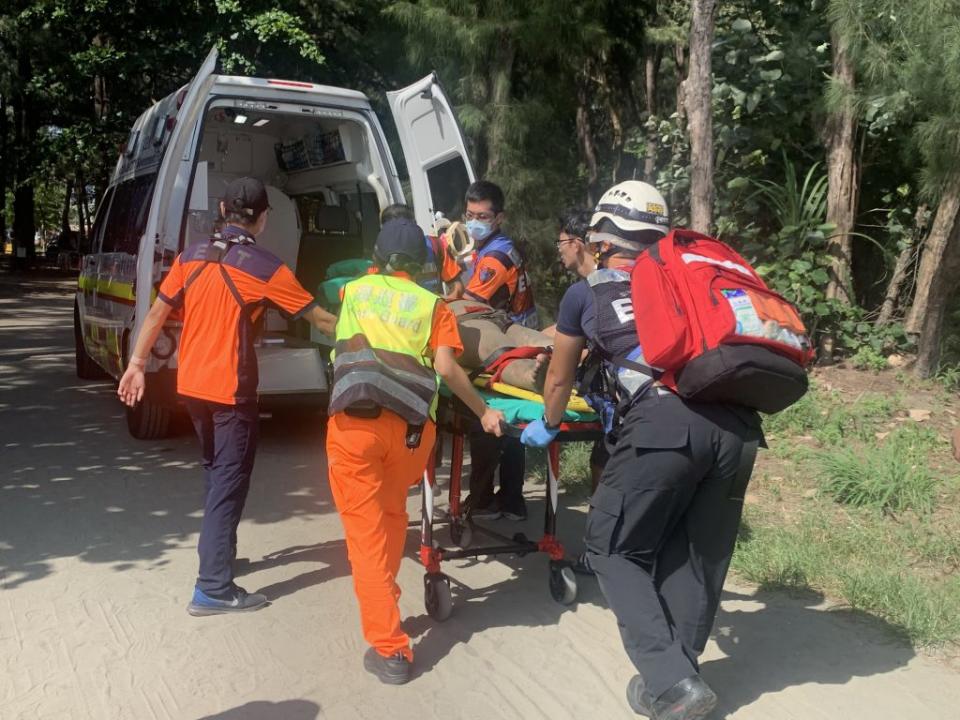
[
  {"x": 859, "y": 512},
  {"x": 574, "y": 467},
  {"x": 859, "y": 560},
  {"x": 891, "y": 477}
]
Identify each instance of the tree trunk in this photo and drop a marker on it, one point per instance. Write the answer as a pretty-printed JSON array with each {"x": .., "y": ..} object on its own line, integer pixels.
[
  {"x": 843, "y": 175},
  {"x": 679, "y": 57},
  {"x": 82, "y": 216},
  {"x": 24, "y": 226},
  {"x": 932, "y": 257},
  {"x": 937, "y": 281},
  {"x": 4, "y": 163},
  {"x": 585, "y": 138},
  {"x": 651, "y": 68},
  {"x": 840, "y": 135},
  {"x": 501, "y": 74},
  {"x": 65, "y": 210},
  {"x": 700, "y": 108},
  {"x": 900, "y": 270}
]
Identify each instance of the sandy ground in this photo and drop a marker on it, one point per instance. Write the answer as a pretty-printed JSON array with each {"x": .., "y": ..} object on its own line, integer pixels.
[{"x": 97, "y": 561}]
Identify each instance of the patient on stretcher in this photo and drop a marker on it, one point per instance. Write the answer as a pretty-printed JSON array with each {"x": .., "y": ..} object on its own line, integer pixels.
[{"x": 491, "y": 343}]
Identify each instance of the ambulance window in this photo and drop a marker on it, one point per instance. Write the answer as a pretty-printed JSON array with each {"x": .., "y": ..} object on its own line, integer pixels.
[
  {"x": 100, "y": 221},
  {"x": 128, "y": 215},
  {"x": 448, "y": 183}
]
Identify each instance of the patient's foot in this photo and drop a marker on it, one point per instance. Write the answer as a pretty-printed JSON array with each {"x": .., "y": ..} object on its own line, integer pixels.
[{"x": 540, "y": 372}]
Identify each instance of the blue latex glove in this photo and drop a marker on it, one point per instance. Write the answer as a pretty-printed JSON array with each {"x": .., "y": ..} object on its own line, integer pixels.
[{"x": 537, "y": 434}]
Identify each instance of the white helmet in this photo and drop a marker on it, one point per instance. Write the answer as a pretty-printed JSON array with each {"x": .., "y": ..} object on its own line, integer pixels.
[{"x": 631, "y": 205}]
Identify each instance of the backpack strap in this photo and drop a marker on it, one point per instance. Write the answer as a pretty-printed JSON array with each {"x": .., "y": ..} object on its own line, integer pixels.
[{"x": 221, "y": 250}]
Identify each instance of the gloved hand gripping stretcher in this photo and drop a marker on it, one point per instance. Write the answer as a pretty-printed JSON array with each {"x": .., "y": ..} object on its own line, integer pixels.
[{"x": 519, "y": 407}]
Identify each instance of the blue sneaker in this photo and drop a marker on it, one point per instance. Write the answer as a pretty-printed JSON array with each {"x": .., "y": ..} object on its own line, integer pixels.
[{"x": 239, "y": 601}]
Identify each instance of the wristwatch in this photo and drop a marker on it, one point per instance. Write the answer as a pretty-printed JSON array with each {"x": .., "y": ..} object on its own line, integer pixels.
[{"x": 547, "y": 425}]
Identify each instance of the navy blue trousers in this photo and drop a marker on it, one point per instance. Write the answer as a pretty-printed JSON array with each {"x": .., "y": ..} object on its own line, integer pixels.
[{"x": 228, "y": 445}]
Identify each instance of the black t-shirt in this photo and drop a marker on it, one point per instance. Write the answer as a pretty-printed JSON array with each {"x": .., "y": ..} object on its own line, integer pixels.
[{"x": 577, "y": 315}]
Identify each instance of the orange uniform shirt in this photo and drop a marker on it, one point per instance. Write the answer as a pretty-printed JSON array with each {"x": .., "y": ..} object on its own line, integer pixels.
[
  {"x": 217, "y": 360},
  {"x": 449, "y": 267}
]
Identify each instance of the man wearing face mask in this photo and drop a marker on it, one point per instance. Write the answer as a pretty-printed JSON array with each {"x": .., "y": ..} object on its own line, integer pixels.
[
  {"x": 496, "y": 274},
  {"x": 497, "y": 277}
]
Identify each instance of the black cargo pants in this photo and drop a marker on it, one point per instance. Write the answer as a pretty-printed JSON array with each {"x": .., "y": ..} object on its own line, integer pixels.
[{"x": 662, "y": 527}]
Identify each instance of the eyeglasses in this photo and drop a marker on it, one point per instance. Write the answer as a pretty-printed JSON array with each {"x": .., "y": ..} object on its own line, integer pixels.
[
  {"x": 560, "y": 241},
  {"x": 484, "y": 216}
]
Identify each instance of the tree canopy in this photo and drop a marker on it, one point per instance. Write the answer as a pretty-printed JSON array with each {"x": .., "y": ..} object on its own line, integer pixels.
[{"x": 559, "y": 100}]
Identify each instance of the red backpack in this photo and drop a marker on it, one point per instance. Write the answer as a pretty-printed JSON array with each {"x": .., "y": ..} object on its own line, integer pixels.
[{"x": 708, "y": 321}]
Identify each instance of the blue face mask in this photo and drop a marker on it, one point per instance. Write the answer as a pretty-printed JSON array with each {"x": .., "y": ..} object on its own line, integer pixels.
[{"x": 479, "y": 229}]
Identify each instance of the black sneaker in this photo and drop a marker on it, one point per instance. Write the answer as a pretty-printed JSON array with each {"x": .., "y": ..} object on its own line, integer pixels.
[
  {"x": 393, "y": 670},
  {"x": 238, "y": 601},
  {"x": 689, "y": 699}
]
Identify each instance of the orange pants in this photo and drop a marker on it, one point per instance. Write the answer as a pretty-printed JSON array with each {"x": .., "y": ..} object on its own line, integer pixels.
[{"x": 370, "y": 470}]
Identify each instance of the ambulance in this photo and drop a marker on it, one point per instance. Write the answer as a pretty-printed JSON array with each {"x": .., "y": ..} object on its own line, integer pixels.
[{"x": 323, "y": 156}]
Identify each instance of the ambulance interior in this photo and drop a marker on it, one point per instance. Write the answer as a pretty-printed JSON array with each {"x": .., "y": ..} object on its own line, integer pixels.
[{"x": 316, "y": 170}]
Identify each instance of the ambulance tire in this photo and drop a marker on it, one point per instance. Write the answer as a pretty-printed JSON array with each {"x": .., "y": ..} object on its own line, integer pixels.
[
  {"x": 87, "y": 368},
  {"x": 149, "y": 419}
]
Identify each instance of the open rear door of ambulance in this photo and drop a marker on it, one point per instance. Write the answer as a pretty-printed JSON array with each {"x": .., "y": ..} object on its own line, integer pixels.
[
  {"x": 162, "y": 231},
  {"x": 433, "y": 146}
]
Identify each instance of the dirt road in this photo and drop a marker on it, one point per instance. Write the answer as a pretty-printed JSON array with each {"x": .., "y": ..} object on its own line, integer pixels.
[{"x": 97, "y": 560}]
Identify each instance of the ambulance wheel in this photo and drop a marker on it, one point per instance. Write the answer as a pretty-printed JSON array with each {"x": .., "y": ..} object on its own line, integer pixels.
[
  {"x": 87, "y": 368},
  {"x": 437, "y": 596},
  {"x": 461, "y": 534},
  {"x": 563, "y": 583},
  {"x": 149, "y": 419}
]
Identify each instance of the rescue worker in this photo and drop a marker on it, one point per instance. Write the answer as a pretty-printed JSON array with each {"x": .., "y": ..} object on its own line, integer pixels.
[
  {"x": 576, "y": 257},
  {"x": 663, "y": 521},
  {"x": 496, "y": 276},
  {"x": 393, "y": 338},
  {"x": 440, "y": 272},
  {"x": 222, "y": 285}
]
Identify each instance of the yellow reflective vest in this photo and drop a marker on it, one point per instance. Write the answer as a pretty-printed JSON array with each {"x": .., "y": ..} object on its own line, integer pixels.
[{"x": 382, "y": 353}]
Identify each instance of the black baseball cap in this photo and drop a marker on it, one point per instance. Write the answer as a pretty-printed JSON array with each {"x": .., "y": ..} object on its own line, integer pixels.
[
  {"x": 401, "y": 237},
  {"x": 246, "y": 196}
]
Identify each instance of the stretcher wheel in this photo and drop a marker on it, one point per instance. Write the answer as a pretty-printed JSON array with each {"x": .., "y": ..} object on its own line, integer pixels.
[
  {"x": 563, "y": 583},
  {"x": 461, "y": 534},
  {"x": 437, "y": 597}
]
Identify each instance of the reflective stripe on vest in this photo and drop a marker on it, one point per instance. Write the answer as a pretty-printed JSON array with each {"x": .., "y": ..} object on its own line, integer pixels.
[
  {"x": 381, "y": 356},
  {"x": 615, "y": 330}
]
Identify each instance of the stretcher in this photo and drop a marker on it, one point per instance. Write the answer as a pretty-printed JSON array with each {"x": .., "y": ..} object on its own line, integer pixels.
[{"x": 454, "y": 418}]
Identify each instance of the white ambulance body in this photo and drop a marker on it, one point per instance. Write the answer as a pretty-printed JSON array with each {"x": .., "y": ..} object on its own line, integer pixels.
[{"x": 323, "y": 156}]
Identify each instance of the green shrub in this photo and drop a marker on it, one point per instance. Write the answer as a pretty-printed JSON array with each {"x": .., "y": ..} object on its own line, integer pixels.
[{"x": 867, "y": 358}]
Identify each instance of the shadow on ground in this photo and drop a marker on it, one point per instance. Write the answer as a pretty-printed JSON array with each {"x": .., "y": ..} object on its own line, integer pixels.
[
  {"x": 73, "y": 483},
  {"x": 263, "y": 710}
]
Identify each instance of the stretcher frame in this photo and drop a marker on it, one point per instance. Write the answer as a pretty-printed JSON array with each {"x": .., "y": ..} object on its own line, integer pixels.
[{"x": 456, "y": 419}]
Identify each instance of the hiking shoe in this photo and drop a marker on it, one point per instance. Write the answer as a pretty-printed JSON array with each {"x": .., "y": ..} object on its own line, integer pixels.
[
  {"x": 515, "y": 515},
  {"x": 239, "y": 600},
  {"x": 581, "y": 566},
  {"x": 689, "y": 699},
  {"x": 393, "y": 670}
]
